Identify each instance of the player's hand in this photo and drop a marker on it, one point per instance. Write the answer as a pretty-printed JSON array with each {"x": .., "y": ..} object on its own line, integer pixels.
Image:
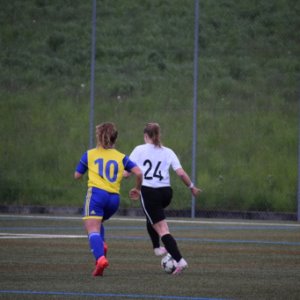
[
  {"x": 134, "y": 194},
  {"x": 195, "y": 191},
  {"x": 126, "y": 174}
]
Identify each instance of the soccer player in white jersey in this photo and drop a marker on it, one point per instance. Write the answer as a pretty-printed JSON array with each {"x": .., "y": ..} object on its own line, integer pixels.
[{"x": 155, "y": 161}]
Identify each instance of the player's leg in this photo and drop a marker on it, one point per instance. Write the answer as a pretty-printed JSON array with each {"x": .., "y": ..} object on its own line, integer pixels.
[
  {"x": 102, "y": 233},
  {"x": 155, "y": 239},
  {"x": 93, "y": 215},
  {"x": 162, "y": 229},
  {"x": 110, "y": 208},
  {"x": 96, "y": 245},
  {"x": 158, "y": 199},
  {"x": 147, "y": 196},
  {"x": 92, "y": 227},
  {"x": 171, "y": 245}
]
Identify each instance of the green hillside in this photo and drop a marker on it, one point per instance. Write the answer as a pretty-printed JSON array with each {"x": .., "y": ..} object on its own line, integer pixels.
[{"x": 248, "y": 95}]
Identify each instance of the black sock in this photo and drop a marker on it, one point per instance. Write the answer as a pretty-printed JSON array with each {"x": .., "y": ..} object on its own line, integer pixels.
[
  {"x": 171, "y": 246},
  {"x": 153, "y": 235}
]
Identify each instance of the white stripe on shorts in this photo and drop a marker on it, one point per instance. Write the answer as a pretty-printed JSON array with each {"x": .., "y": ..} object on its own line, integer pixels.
[{"x": 145, "y": 211}]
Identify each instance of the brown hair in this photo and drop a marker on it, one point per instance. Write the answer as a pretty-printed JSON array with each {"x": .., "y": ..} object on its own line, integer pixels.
[
  {"x": 106, "y": 134},
  {"x": 153, "y": 131}
]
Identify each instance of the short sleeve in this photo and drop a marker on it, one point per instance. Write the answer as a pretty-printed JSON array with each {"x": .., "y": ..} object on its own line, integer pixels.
[
  {"x": 175, "y": 163},
  {"x": 128, "y": 164},
  {"x": 83, "y": 164}
]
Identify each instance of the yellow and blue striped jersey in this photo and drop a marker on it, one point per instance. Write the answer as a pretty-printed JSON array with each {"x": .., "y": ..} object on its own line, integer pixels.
[{"x": 105, "y": 168}]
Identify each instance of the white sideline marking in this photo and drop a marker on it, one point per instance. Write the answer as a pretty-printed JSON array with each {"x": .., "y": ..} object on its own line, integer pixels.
[
  {"x": 218, "y": 222},
  {"x": 182, "y": 221},
  {"x": 38, "y": 236}
]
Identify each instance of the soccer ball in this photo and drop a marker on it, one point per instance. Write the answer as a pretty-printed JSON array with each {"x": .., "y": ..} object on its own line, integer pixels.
[{"x": 168, "y": 264}]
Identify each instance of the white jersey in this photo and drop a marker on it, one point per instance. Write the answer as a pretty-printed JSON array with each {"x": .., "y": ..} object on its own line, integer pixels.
[{"x": 155, "y": 163}]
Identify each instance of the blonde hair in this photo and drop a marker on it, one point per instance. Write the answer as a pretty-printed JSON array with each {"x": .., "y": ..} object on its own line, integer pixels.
[
  {"x": 153, "y": 131},
  {"x": 106, "y": 134}
]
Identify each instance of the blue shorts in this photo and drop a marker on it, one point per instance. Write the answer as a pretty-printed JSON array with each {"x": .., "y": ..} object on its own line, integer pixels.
[{"x": 100, "y": 204}]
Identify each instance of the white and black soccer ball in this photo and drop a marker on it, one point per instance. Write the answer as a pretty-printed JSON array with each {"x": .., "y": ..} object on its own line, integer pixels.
[{"x": 168, "y": 264}]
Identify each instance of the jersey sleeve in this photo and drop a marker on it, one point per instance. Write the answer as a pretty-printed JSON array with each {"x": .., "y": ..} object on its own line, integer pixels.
[
  {"x": 133, "y": 154},
  {"x": 175, "y": 163},
  {"x": 128, "y": 164},
  {"x": 83, "y": 164}
]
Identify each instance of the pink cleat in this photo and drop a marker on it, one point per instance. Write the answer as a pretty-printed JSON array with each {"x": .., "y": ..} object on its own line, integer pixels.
[
  {"x": 180, "y": 266},
  {"x": 160, "y": 251}
]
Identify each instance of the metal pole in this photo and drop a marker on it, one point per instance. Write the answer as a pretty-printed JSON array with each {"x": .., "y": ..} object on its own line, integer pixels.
[
  {"x": 196, "y": 50},
  {"x": 298, "y": 187},
  {"x": 92, "y": 91}
]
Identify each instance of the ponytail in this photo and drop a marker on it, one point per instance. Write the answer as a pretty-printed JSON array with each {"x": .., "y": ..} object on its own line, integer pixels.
[{"x": 153, "y": 131}]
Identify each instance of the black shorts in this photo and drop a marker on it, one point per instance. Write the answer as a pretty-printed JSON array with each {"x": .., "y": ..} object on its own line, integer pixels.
[{"x": 154, "y": 201}]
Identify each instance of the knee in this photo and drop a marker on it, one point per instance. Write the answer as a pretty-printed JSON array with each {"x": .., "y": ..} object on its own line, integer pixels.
[{"x": 161, "y": 228}]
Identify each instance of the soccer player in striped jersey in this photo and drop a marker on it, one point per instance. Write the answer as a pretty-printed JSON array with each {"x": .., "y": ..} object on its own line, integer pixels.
[
  {"x": 105, "y": 166},
  {"x": 155, "y": 161}
]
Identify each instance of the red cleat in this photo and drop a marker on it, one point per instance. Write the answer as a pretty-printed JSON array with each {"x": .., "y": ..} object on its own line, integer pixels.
[{"x": 101, "y": 264}]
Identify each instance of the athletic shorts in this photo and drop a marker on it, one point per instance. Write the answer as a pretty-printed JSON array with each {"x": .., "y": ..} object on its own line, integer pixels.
[
  {"x": 100, "y": 204},
  {"x": 154, "y": 201}
]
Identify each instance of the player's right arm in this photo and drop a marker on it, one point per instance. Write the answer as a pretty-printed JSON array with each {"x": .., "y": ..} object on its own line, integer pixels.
[
  {"x": 81, "y": 167},
  {"x": 132, "y": 168},
  {"x": 135, "y": 193}
]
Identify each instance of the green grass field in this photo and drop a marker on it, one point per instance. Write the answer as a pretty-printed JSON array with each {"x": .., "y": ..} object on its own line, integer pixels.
[{"x": 46, "y": 257}]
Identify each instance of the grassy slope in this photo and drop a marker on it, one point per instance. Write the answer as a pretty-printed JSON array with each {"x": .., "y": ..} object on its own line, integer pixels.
[{"x": 247, "y": 119}]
